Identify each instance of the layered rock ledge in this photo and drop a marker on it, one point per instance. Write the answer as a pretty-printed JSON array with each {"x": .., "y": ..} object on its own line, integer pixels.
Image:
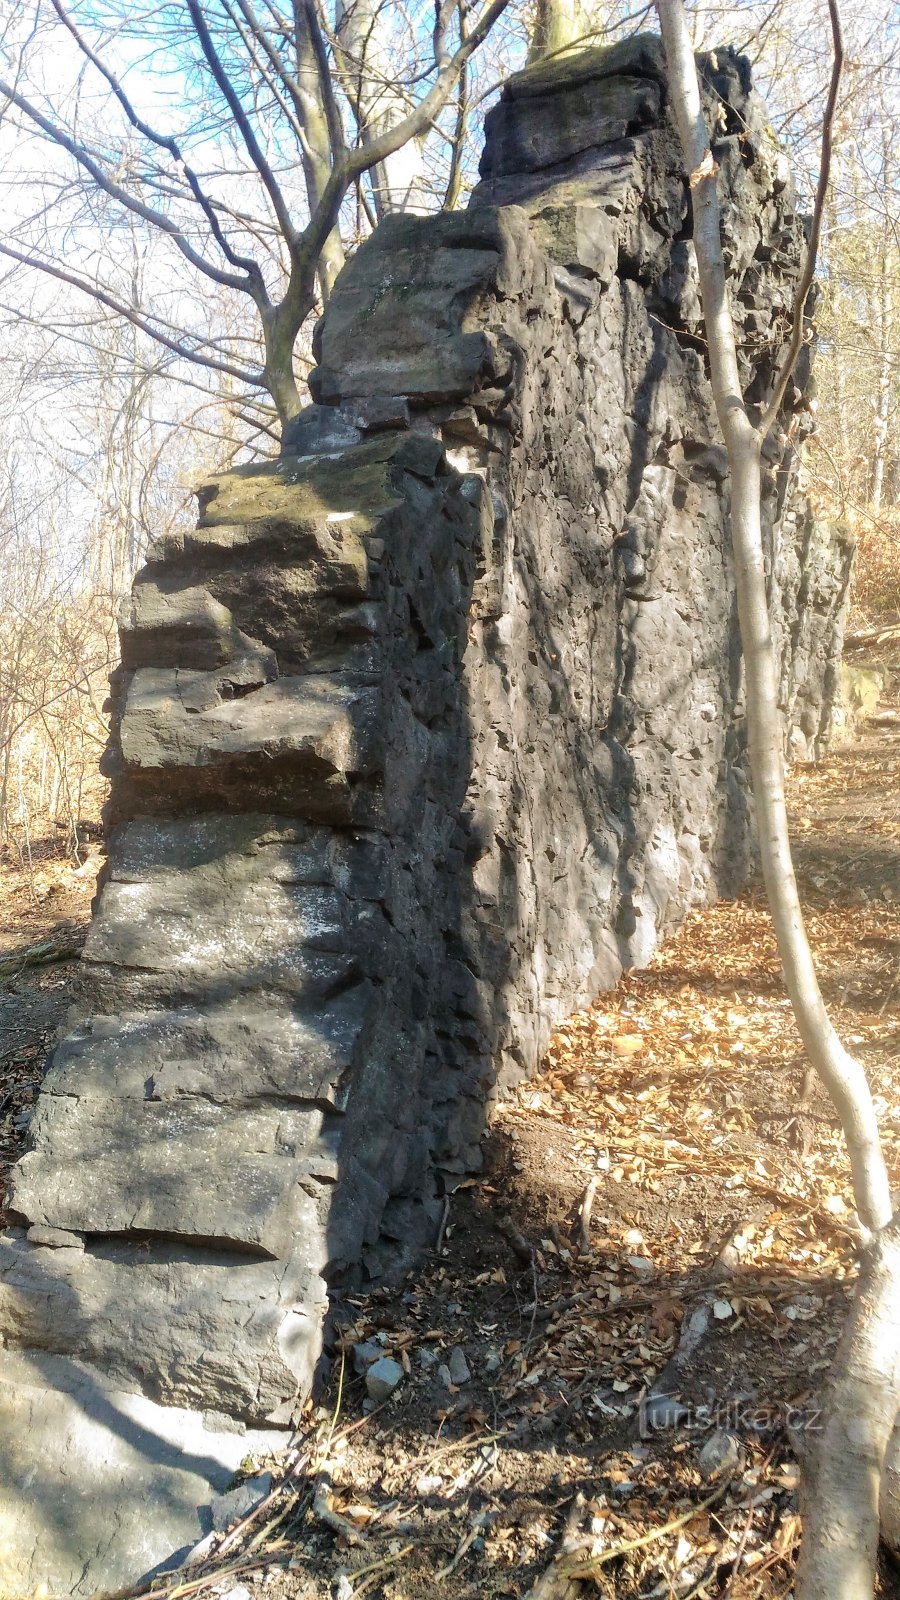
[{"x": 427, "y": 731}]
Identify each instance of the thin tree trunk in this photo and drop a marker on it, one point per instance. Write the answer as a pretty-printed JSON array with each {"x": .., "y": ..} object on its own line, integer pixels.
[
  {"x": 827, "y": 1563},
  {"x": 398, "y": 182},
  {"x": 885, "y": 385},
  {"x": 318, "y": 150},
  {"x": 843, "y": 1488},
  {"x": 557, "y": 24},
  {"x": 843, "y": 1076}
]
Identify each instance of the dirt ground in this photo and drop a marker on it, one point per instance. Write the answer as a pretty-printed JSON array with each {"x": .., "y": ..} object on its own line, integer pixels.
[{"x": 648, "y": 1278}]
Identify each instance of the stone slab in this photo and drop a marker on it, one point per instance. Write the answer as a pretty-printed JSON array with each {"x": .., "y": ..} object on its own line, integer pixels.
[
  {"x": 100, "y": 1487},
  {"x": 238, "y": 1051},
  {"x": 187, "y": 718},
  {"x": 189, "y": 1326},
  {"x": 184, "y": 1168}
]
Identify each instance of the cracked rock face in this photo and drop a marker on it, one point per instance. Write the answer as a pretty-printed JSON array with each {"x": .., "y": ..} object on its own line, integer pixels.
[{"x": 426, "y": 731}]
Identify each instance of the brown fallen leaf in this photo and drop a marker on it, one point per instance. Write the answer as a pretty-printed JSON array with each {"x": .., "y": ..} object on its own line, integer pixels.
[{"x": 627, "y": 1044}]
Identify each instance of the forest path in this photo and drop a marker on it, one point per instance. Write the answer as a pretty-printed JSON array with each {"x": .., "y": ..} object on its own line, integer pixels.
[{"x": 720, "y": 1215}]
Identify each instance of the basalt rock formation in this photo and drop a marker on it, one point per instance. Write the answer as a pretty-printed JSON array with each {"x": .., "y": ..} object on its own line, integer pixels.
[{"x": 427, "y": 730}]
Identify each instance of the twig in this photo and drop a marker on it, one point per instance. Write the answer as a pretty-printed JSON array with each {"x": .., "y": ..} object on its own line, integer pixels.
[
  {"x": 443, "y": 1226},
  {"x": 739, "y": 1553},
  {"x": 429, "y": 1457},
  {"x": 377, "y": 1566},
  {"x": 584, "y": 1218},
  {"x": 702, "y": 1584},
  {"x": 177, "y": 1591},
  {"x": 337, "y": 1404},
  {"x": 588, "y": 1569},
  {"x": 773, "y": 1560},
  {"x": 268, "y": 1528},
  {"x": 465, "y": 1543},
  {"x": 517, "y": 1239},
  {"x": 241, "y": 1527},
  {"x": 468, "y": 1443},
  {"x": 795, "y": 343},
  {"x": 566, "y": 1302}
]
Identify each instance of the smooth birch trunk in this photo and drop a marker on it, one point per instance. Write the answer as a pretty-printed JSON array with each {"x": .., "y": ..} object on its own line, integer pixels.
[
  {"x": 829, "y": 1556},
  {"x": 842, "y": 1075},
  {"x": 885, "y": 387},
  {"x": 843, "y": 1488}
]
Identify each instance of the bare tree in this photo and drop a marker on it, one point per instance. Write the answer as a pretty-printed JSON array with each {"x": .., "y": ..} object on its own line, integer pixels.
[
  {"x": 271, "y": 96},
  {"x": 98, "y": 449},
  {"x": 843, "y": 1500}
]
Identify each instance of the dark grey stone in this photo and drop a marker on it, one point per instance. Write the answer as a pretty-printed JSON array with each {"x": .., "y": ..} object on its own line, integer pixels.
[
  {"x": 382, "y": 1378},
  {"x": 374, "y": 413},
  {"x": 429, "y": 728},
  {"x": 458, "y": 1366},
  {"x": 318, "y": 430},
  {"x": 720, "y": 1454},
  {"x": 234, "y": 1504},
  {"x": 364, "y": 1353}
]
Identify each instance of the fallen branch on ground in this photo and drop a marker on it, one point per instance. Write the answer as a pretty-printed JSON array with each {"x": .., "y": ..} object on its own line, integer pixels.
[
  {"x": 554, "y": 1583},
  {"x": 589, "y": 1569},
  {"x": 39, "y": 955}
]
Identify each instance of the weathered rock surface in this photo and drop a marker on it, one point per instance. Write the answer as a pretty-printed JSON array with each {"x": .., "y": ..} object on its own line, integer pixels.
[
  {"x": 72, "y": 1443},
  {"x": 425, "y": 732}
]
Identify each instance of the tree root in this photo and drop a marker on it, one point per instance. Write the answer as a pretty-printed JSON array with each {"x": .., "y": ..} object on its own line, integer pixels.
[{"x": 554, "y": 1583}]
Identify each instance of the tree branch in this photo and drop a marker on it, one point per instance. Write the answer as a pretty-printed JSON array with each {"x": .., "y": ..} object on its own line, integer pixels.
[
  {"x": 164, "y": 142},
  {"x": 232, "y": 100},
  {"x": 392, "y": 139},
  {"x": 275, "y": 75},
  {"x": 457, "y": 142},
  {"x": 149, "y": 214},
  {"x": 97, "y": 292},
  {"x": 317, "y": 42},
  {"x": 809, "y": 266}
]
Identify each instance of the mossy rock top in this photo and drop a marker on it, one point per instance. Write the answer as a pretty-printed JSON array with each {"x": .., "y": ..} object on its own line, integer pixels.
[
  {"x": 640, "y": 57},
  {"x": 359, "y": 481}
]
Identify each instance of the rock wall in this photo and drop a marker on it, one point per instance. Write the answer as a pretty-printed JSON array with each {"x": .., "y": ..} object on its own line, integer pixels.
[{"x": 427, "y": 730}]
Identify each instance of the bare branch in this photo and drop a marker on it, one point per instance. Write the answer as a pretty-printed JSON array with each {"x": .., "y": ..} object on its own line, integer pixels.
[
  {"x": 149, "y": 214},
  {"x": 457, "y": 143},
  {"x": 809, "y": 266},
  {"x": 392, "y": 139},
  {"x": 233, "y": 101},
  {"x": 164, "y": 142},
  {"x": 307, "y": 11},
  {"x": 97, "y": 292}
]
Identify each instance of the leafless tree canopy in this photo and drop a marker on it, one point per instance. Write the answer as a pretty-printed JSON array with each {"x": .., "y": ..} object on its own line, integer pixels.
[{"x": 183, "y": 181}]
